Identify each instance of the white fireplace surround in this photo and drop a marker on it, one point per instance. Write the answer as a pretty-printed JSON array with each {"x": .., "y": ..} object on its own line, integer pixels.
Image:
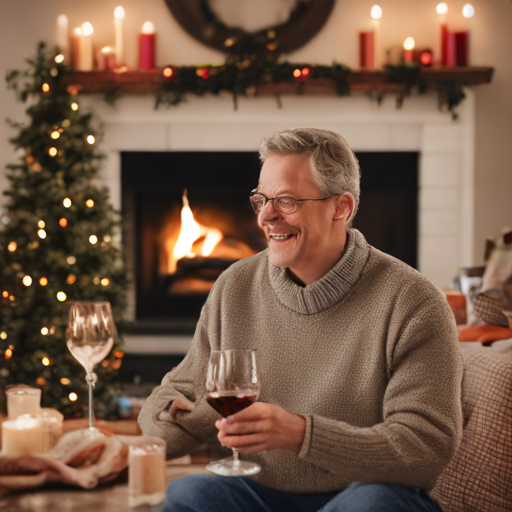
[{"x": 446, "y": 199}]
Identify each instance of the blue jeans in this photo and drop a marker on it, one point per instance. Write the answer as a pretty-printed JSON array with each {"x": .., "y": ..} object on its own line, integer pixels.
[{"x": 210, "y": 493}]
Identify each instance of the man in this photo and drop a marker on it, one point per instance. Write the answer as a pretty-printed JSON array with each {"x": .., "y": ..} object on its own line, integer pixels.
[{"x": 359, "y": 407}]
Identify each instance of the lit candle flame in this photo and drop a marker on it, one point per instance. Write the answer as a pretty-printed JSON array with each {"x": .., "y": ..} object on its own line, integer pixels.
[
  {"x": 376, "y": 13},
  {"x": 442, "y": 9},
  {"x": 409, "y": 44},
  {"x": 119, "y": 13}
]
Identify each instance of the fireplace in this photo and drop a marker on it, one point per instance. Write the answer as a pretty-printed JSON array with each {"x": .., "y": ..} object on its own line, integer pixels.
[{"x": 188, "y": 217}]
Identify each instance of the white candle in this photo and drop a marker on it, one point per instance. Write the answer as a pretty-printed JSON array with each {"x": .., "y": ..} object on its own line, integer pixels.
[
  {"x": 377, "y": 53},
  {"x": 23, "y": 400},
  {"x": 22, "y": 436},
  {"x": 62, "y": 36},
  {"x": 118, "y": 28},
  {"x": 76, "y": 42},
  {"x": 86, "y": 54}
]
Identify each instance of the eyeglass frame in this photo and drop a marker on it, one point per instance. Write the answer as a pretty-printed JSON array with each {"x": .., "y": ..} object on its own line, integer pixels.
[{"x": 297, "y": 201}]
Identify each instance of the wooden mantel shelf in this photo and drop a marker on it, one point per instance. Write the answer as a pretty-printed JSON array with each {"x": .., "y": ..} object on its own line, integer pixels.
[{"x": 362, "y": 80}]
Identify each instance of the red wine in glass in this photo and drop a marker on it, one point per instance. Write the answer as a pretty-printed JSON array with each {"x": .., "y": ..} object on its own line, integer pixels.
[{"x": 230, "y": 403}]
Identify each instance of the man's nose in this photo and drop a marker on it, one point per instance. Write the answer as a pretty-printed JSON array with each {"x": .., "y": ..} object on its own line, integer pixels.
[{"x": 268, "y": 212}]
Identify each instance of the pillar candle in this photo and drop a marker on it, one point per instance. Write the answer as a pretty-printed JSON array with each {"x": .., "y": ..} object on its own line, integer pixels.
[
  {"x": 442, "y": 9},
  {"x": 118, "y": 28},
  {"x": 366, "y": 48},
  {"x": 62, "y": 36},
  {"x": 22, "y": 436},
  {"x": 23, "y": 400},
  {"x": 86, "y": 53},
  {"x": 377, "y": 52},
  {"x": 76, "y": 42},
  {"x": 147, "y": 46},
  {"x": 461, "y": 48},
  {"x": 409, "y": 47},
  {"x": 106, "y": 58}
]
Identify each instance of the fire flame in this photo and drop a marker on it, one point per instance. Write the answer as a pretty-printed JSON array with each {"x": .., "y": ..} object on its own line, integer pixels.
[{"x": 191, "y": 231}]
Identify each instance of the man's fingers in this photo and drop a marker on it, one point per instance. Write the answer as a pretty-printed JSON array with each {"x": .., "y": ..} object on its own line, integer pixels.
[
  {"x": 245, "y": 427},
  {"x": 180, "y": 404},
  {"x": 240, "y": 441}
]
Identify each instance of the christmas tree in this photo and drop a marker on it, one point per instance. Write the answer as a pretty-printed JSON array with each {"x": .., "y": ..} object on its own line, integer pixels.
[{"x": 57, "y": 243}]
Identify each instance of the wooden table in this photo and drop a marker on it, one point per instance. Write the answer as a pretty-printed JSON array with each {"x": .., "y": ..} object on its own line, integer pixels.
[{"x": 105, "y": 498}]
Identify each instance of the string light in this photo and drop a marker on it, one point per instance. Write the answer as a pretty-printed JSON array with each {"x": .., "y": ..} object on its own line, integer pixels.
[
  {"x": 93, "y": 239},
  {"x": 3, "y": 335},
  {"x": 89, "y": 203},
  {"x": 66, "y": 202},
  {"x": 30, "y": 159},
  {"x": 73, "y": 397},
  {"x": 119, "y": 354},
  {"x": 63, "y": 222},
  {"x": 42, "y": 233},
  {"x": 8, "y": 353},
  {"x": 5, "y": 294},
  {"x": 59, "y": 58},
  {"x": 44, "y": 331},
  {"x": 90, "y": 139},
  {"x": 12, "y": 298},
  {"x": 105, "y": 281},
  {"x": 52, "y": 329},
  {"x": 41, "y": 224},
  {"x": 66, "y": 123},
  {"x": 55, "y": 134},
  {"x": 61, "y": 296},
  {"x": 297, "y": 73},
  {"x": 71, "y": 279},
  {"x": 65, "y": 381},
  {"x": 45, "y": 361},
  {"x": 52, "y": 151},
  {"x": 27, "y": 280},
  {"x": 168, "y": 72},
  {"x": 409, "y": 44},
  {"x": 41, "y": 381},
  {"x": 74, "y": 106},
  {"x": 45, "y": 87},
  {"x": 305, "y": 72},
  {"x": 12, "y": 246},
  {"x": 106, "y": 238},
  {"x": 43, "y": 281},
  {"x": 96, "y": 280},
  {"x": 70, "y": 260}
]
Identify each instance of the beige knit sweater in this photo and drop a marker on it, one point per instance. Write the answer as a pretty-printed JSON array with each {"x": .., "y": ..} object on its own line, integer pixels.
[{"x": 368, "y": 354}]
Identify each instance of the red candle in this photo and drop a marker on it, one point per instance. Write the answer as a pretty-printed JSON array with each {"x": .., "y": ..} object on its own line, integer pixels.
[
  {"x": 461, "y": 48},
  {"x": 451, "y": 51},
  {"x": 366, "y": 49},
  {"x": 409, "y": 47},
  {"x": 106, "y": 59},
  {"x": 147, "y": 46},
  {"x": 442, "y": 9}
]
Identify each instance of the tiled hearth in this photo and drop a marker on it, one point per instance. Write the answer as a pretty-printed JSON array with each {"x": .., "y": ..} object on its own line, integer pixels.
[{"x": 446, "y": 206}]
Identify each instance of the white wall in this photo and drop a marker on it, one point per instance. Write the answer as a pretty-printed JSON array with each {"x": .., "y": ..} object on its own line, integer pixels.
[{"x": 25, "y": 22}]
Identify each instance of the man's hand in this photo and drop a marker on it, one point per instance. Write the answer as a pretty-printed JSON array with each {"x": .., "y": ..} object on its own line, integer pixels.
[
  {"x": 262, "y": 427},
  {"x": 180, "y": 404}
]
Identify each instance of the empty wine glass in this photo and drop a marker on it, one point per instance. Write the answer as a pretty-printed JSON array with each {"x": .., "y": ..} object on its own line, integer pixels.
[
  {"x": 232, "y": 384},
  {"x": 90, "y": 337}
]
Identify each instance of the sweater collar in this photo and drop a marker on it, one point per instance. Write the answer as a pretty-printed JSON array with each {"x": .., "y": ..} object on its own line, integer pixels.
[{"x": 330, "y": 288}]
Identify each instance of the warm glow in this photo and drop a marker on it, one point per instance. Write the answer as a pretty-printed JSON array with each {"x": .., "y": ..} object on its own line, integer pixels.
[
  {"x": 61, "y": 296},
  {"x": 71, "y": 279},
  {"x": 45, "y": 87},
  {"x": 442, "y": 9},
  {"x": 305, "y": 72},
  {"x": 107, "y": 238},
  {"x": 43, "y": 281},
  {"x": 45, "y": 361},
  {"x": 74, "y": 106},
  {"x": 55, "y": 134},
  {"x": 73, "y": 397},
  {"x": 41, "y": 224},
  {"x": 12, "y": 246},
  {"x": 296, "y": 73},
  {"x": 3, "y": 335},
  {"x": 168, "y": 72},
  {"x": 409, "y": 44},
  {"x": 8, "y": 353},
  {"x": 5, "y": 294},
  {"x": 66, "y": 202},
  {"x": 12, "y": 298},
  {"x": 41, "y": 381},
  {"x": 64, "y": 381},
  {"x": 189, "y": 233},
  {"x": 468, "y": 11},
  {"x": 27, "y": 280},
  {"x": 63, "y": 222},
  {"x": 41, "y": 233},
  {"x": 70, "y": 260},
  {"x": 376, "y": 13},
  {"x": 44, "y": 331},
  {"x": 90, "y": 139},
  {"x": 87, "y": 29},
  {"x": 119, "y": 13},
  {"x": 89, "y": 203},
  {"x": 93, "y": 239},
  {"x": 59, "y": 58},
  {"x": 105, "y": 281},
  {"x": 148, "y": 28},
  {"x": 52, "y": 151},
  {"x": 426, "y": 58},
  {"x": 119, "y": 354}
]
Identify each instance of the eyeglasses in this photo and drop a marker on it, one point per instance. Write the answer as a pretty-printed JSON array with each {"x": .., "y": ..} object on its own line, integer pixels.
[{"x": 283, "y": 204}]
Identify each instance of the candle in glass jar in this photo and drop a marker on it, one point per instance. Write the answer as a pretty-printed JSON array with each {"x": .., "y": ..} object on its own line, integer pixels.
[
  {"x": 118, "y": 29},
  {"x": 23, "y": 400},
  {"x": 147, "y": 46},
  {"x": 22, "y": 436}
]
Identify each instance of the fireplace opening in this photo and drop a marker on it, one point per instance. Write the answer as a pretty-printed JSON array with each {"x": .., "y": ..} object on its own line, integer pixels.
[{"x": 187, "y": 217}]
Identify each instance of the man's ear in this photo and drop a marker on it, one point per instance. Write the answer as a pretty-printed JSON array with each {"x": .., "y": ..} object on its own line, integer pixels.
[{"x": 344, "y": 207}]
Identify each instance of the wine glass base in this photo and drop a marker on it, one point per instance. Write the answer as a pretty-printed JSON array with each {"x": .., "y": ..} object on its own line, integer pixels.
[{"x": 228, "y": 467}]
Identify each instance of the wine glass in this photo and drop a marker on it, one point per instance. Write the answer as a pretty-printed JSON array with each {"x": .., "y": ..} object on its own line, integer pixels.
[
  {"x": 232, "y": 384},
  {"x": 90, "y": 337}
]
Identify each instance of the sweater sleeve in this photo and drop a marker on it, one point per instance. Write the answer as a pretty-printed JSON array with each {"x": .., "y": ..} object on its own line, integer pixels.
[
  {"x": 422, "y": 416},
  {"x": 189, "y": 429}
]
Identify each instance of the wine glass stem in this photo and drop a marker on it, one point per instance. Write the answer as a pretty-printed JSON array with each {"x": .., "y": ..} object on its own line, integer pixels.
[
  {"x": 90, "y": 383},
  {"x": 236, "y": 458}
]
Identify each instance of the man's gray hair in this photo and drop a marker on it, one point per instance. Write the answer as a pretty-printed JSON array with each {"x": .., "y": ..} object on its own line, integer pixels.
[{"x": 334, "y": 165}]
